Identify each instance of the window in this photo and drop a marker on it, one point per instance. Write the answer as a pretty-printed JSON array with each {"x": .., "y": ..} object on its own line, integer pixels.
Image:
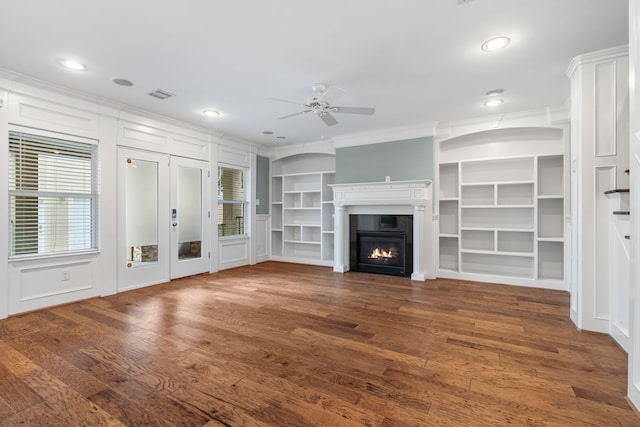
[
  {"x": 52, "y": 195},
  {"x": 232, "y": 201}
]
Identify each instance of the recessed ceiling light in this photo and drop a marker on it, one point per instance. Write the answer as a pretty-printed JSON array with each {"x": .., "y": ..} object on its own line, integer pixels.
[
  {"x": 267, "y": 132},
  {"x": 72, "y": 65},
  {"x": 211, "y": 113},
  {"x": 122, "y": 82},
  {"x": 494, "y": 92},
  {"x": 493, "y": 102},
  {"x": 495, "y": 44}
]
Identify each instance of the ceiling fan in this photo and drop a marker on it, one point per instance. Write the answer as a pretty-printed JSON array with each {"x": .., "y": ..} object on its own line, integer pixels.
[{"x": 320, "y": 105}]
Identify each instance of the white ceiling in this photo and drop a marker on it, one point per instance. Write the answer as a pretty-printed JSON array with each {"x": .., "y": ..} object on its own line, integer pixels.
[{"x": 415, "y": 61}]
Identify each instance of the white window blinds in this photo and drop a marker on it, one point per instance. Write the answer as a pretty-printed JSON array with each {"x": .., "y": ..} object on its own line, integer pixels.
[
  {"x": 52, "y": 195},
  {"x": 232, "y": 201}
]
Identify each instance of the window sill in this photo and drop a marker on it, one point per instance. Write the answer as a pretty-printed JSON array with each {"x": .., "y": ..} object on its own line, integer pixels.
[
  {"x": 27, "y": 258},
  {"x": 234, "y": 237}
]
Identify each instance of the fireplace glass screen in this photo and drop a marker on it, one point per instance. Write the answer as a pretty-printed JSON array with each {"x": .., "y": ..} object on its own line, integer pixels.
[
  {"x": 381, "y": 248},
  {"x": 381, "y": 244}
]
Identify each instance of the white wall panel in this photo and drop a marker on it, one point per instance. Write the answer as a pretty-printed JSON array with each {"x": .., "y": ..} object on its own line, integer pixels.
[
  {"x": 233, "y": 253},
  {"x": 605, "y": 179},
  {"x": 605, "y": 109},
  {"x": 52, "y": 116},
  {"x": 42, "y": 283},
  {"x": 619, "y": 276},
  {"x": 234, "y": 156},
  {"x": 142, "y": 136},
  {"x": 108, "y": 217},
  {"x": 261, "y": 237},
  {"x": 153, "y": 136}
]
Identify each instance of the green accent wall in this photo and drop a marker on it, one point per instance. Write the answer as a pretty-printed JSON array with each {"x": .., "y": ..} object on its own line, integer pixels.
[
  {"x": 400, "y": 160},
  {"x": 262, "y": 184}
]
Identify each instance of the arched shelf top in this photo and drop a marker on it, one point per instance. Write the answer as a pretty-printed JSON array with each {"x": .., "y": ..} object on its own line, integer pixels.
[
  {"x": 304, "y": 162},
  {"x": 506, "y": 135},
  {"x": 505, "y": 142}
]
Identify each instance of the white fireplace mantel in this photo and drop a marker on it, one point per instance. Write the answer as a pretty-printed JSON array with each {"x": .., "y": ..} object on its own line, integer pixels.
[{"x": 386, "y": 198}]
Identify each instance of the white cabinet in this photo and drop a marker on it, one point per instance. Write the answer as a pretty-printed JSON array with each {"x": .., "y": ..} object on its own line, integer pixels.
[
  {"x": 502, "y": 219},
  {"x": 302, "y": 209}
]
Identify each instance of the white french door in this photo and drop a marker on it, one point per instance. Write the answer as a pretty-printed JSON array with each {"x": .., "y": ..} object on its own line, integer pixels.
[
  {"x": 163, "y": 220},
  {"x": 190, "y": 217}
]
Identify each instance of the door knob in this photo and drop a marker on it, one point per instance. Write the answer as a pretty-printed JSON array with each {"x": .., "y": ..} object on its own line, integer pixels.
[{"x": 175, "y": 224}]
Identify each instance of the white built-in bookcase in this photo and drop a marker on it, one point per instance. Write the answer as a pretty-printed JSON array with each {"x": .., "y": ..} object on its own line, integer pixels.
[
  {"x": 502, "y": 218},
  {"x": 302, "y": 209}
]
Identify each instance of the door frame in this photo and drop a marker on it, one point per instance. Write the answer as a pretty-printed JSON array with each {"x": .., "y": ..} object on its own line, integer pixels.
[{"x": 166, "y": 269}]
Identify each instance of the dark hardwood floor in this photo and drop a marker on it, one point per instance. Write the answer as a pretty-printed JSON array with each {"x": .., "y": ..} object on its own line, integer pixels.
[{"x": 290, "y": 345}]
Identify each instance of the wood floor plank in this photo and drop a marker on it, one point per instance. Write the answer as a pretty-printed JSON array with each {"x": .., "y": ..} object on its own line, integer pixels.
[
  {"x": 279, "y": 344},
  {"x": 15, "y": 393}
]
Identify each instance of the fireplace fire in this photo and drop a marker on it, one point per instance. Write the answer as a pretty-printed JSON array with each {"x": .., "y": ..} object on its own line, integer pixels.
[
  {"x": 383, "y": 254},
  {"x": 381, "y": 244}
]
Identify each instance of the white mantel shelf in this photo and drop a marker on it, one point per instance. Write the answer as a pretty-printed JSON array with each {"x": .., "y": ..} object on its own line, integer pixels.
[
  {"x": 386, "y": 198},
  {"x": 382, "y": 193}
]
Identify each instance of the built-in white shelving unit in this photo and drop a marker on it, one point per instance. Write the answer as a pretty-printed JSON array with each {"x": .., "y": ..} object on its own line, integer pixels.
[
  {"x": 302, "y": 209},
  {"x": 502, "y": 218}
]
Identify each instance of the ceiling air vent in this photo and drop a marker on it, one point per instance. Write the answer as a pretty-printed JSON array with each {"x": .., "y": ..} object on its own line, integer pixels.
[{"x": 161, "y": 94}]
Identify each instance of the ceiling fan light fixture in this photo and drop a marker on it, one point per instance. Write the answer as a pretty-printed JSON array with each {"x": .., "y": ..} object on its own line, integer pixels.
[
  {"x": 493, "y": 102},
  {"x": 322, "y": 105},
  {"x": 70, "y": 64},
  {"x": 496, "y": 43}
]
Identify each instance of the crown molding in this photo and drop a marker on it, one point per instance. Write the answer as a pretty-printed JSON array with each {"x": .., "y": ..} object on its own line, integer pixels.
[
  {"x": 597, "y": 56},
  {"x": 26, "y": 85},
  {"x": 384, "y": 135}
]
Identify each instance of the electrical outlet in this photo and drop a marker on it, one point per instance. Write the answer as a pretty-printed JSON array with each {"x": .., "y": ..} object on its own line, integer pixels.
[{"x": 65, "y": 275}]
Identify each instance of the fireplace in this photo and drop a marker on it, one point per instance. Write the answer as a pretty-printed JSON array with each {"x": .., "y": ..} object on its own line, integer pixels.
[
  {"x": 381, "y": 244},
  {"x": 409, "y": 199}
]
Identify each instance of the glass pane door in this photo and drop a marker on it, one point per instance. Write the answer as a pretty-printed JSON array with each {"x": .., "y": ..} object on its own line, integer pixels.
[
  {"x": 143, "y": 233},
  {"x": 189, "y": 217}
]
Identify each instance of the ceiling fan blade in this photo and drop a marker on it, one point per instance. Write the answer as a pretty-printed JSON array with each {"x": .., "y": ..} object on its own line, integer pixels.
[
  {"x": 287, "y": 101},
  {"x": 331, "y": 94},
  {"x": 354, "y": 110},
  {"x": 328, "y": 119},
  {"x": 294, "y": 114}
]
